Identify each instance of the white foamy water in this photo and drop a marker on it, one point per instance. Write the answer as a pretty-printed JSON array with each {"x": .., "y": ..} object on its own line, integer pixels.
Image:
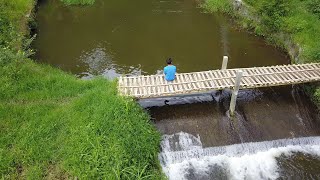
[{"x": 183, "y": 157}]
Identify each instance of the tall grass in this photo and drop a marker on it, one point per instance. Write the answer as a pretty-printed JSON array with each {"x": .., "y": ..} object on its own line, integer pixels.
[
  {"x": 51, "y": 121},
  {"x": 55, "y": 126}
]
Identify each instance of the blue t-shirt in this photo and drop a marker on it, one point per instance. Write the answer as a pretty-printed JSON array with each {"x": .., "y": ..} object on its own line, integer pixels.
[{"x": 170, "y": 72}]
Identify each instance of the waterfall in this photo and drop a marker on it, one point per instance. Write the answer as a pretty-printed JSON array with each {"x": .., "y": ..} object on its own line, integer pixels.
[{"x": 183, "y": 157}]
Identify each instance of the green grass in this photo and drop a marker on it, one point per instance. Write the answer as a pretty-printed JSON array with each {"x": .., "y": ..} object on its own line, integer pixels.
[
  {"x": 55, "y": 126},
  {"x": 217, "y": 6},
  {"x": 12, "y": 26},
  {"x": 78, "y": 2},
  {"x": 294, "y": 17},
  {"x": 51, "y": 121}
]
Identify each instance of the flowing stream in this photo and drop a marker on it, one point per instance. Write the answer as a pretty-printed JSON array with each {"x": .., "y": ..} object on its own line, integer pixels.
[
  {"x": 183, "y": 157},
  {"x": 275, "y": 133}
]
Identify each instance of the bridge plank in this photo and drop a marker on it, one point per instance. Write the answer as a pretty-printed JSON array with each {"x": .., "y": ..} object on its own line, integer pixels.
[
  {"x": 185, "y": 80},
  {"x": 251, "y": 74},
  {"x": 204, "y": 76},
  {"x": 268, "y": 80},
  {"x": 180, "y": 86},
  {"x": 194, "y": 81},
  {"x": 317, "y": 73},
  {"x": 264, "y": 79},
  {"x": 162, "y": 86},
  {"x": 250, "y": 78},
  {"x": 214, "y": 84},
  {"x": 219, "y": 84},
  {"x": 200, "y": 80}
]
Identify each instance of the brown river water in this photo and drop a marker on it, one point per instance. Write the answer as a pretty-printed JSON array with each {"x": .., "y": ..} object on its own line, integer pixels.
[{"x": 275, "y": 133}]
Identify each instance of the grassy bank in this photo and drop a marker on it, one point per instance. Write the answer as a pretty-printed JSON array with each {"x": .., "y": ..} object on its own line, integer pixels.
[
  {"x": 53, "y": 125},
  {"x": 293, "y": 25}
]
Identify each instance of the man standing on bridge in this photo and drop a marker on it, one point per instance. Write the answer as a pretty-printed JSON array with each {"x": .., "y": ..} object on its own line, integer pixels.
[{"x": 170, "y": 71}]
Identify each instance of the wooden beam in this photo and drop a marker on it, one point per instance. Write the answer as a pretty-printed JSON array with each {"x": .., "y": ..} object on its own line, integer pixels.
[
  {"x": 235, "y": 92},
  {"x": 224, "y": 63}
]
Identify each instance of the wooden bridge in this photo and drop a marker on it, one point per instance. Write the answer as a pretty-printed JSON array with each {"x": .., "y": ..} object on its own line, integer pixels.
[{"x": 200, "y": 82}]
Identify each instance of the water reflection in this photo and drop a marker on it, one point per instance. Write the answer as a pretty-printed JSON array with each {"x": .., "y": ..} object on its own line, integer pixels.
[
  {"x": 99, "y": 61},
  {"x": 126, "y": 37}
]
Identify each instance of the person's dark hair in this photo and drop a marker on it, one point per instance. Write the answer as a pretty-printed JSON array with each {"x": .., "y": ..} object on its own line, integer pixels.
[{"x": 169, "y": 61}]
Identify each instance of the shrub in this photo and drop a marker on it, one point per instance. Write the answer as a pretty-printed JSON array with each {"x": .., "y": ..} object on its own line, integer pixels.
[
  {"x": 314, "y": 7},
  {"x": 272, "y": 12}
]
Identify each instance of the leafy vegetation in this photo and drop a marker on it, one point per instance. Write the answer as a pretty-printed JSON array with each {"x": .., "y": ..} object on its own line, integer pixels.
[
  {"x": 295, "y": 18},
  {"x": 271, "y": 13},
  {"x": 217, "y": 6},
  {"x": 55, "y": 126},
  {"x": 314, "y": 6}
]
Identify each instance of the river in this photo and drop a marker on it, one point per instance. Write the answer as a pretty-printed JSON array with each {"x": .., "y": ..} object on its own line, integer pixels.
[{"x": 275, "y": 133}]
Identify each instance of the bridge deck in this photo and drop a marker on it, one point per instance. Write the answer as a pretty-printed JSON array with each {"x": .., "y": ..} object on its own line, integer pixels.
[{"x": 197, "y": 82}]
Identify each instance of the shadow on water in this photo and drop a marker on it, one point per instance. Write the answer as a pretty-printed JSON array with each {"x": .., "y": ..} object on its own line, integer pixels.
[{"x": 261, "y": 115}]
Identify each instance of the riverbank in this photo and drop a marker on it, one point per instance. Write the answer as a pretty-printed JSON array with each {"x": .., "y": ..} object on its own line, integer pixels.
[
  {"x": 55, "y": 126},
  {"x": 293, "y": 26}
]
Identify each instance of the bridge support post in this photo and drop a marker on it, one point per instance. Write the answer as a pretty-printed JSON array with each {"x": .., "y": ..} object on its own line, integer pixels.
[
  {"x": 224, "y": 62},
  {"x": 235, "y": 93}
]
